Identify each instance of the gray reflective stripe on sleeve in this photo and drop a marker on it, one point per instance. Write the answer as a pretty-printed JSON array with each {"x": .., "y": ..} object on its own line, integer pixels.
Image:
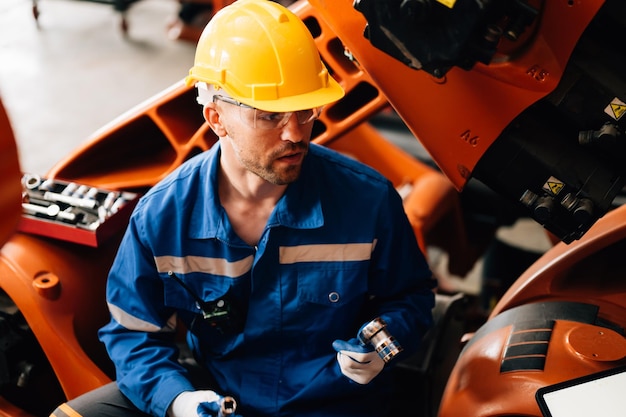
[
  {"x": 326, "y": 253},
  {"x": 216, "y": 266},
  {"x": 133, "y": 323}
]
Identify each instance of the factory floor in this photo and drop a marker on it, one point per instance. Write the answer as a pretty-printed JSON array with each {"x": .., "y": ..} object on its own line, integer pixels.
[{"x": 71, "y": 71}]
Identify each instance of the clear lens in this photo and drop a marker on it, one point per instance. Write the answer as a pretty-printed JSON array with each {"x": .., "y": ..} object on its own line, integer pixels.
[{"x": 261, "y": 119}]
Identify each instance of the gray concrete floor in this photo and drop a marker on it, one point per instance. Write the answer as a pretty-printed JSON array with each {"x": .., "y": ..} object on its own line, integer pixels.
[{"x": 77, "y": 72}]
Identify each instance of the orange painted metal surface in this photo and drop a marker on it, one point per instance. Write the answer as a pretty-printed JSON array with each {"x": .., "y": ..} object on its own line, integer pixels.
[
  {"x": 459, "y": 116},
  {"x": 10, "y": 187},
  {"x": 59, "y": 289},
  {"x": 589, "y": 271},
  {"x": 479, "y": 388}
]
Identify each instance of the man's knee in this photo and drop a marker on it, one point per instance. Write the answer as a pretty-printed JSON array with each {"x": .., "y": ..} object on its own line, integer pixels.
[
  {"x": 65, "y": 410},
  {"x": 106, "y": 401}
]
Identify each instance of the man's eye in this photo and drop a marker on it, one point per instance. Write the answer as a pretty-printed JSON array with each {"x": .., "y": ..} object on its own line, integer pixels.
[{"x": 269, "y": 116}]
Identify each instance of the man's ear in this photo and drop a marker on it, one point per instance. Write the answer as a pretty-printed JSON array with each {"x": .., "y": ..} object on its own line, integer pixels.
[{"x": 214, "y": 119}]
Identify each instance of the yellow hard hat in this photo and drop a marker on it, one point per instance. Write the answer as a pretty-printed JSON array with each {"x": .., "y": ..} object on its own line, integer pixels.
[{"x": 264, "y": 56}]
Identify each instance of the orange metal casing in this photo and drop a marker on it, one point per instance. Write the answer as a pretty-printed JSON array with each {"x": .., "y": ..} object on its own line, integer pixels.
[
  {"x": 10, "y": 186},
  {"x": 478, "y": 387},
  {"x": 591, "y": 271},
  {"x": 459, "y": 116}
]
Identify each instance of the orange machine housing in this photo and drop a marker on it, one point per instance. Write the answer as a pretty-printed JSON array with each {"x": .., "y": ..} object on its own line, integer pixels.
[
  {"x": 562, "y": 319},
  {"x": 10, "y": 188}
]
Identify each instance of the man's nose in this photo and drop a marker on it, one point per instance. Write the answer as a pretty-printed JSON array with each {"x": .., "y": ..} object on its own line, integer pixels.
[{"x": 293, "y": 131}]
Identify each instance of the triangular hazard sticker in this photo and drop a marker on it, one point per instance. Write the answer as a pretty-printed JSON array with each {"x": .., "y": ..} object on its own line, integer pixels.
[
  {"x": 555, "y": 187},
  {"x": 618, "y": 110},
  {"x": 448, "y": 3}
]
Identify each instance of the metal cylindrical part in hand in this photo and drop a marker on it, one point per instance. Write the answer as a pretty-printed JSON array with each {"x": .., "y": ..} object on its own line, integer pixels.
[
  {"x": 228, "y": 407},
  {"x": 375, "y": 332}
]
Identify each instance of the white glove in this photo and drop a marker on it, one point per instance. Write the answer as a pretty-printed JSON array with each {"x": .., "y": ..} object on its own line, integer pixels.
[
  {"x": 186, "y": 404},
  {"x": 358, "y": 362}
]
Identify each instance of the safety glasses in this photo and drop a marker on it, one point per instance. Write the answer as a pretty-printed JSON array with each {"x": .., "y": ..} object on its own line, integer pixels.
[{"x": 261, "y": 119}]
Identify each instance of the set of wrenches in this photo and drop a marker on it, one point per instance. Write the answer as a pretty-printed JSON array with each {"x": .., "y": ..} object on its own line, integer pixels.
[{"x": 70, "y": 203}]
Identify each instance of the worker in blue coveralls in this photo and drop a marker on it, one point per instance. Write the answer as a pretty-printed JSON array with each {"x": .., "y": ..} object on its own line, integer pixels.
[{"x": 271, "y": 251}]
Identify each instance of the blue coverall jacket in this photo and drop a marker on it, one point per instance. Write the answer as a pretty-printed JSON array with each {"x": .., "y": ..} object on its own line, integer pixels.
[{"x": 337, "y": 251}]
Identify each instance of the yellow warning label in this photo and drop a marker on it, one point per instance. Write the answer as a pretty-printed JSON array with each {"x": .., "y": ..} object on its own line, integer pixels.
[
  {"x": 616, "y": 108},
  {"x": 553, "y": 186},
  {"x": 447, "y": 3}
]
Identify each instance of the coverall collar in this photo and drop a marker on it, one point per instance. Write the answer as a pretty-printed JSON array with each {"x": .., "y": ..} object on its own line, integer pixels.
[{"x": 298, "y": 208}]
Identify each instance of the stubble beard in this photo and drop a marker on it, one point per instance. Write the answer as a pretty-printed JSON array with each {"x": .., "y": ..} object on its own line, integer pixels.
[{"x": 273, "y": 174}]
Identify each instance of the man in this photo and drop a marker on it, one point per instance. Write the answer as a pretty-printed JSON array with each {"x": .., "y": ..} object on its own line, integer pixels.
[{"x": 270, "y": 251}]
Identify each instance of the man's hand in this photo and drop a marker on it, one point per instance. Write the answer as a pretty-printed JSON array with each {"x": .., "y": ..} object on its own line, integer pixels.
[
  {"x": 358, "y": 362},
  {"x": 196, "y": 404},
  {"x": 225, "y": 408}
]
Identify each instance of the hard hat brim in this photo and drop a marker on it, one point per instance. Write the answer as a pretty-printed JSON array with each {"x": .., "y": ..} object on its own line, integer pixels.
[{"x": 318, "y": 98}]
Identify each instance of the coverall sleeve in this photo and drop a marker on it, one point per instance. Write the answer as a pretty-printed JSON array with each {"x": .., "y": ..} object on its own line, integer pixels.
[
  {"x": 401, "y": 282},
  {"x": 141, "y": 338}
]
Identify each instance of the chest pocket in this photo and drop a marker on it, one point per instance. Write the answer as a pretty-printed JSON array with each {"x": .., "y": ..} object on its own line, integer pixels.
[
  {"x": 331, "y": 297},
  {"x": 331, "y": 286}
]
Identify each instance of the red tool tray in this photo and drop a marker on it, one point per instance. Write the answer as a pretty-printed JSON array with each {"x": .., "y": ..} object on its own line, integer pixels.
[{"x": 73, "y": 212}]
